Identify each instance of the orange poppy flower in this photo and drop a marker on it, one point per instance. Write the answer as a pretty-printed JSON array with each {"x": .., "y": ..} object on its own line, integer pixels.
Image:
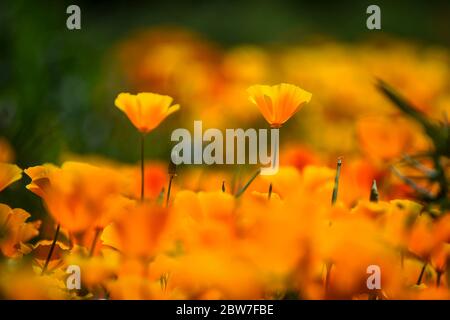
[
  {"x": 201, "y": 271},
  {"x": 278, "y": 103},
  {"x": 381, "y": 144},
  {"x": 15, "y": 231},
  {"x": 40, "y": 252},
  {"x": 145, "y": 110},
  {"x": 39, "y": 177},
  {"x": 79, "y": 196},
  {"x": 137, "y": 233},
  {"x": 421, "y": 239},
  {"x": 203, "y": 219},
  {"x": 8, "y": 174}
]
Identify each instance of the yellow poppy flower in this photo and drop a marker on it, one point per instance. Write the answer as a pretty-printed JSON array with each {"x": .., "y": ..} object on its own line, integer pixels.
[
  {"x": 24, "y": 284},
  {"x": 278, "y": 103},
  {"x": 202, "y": 270},
  {"x": 8, "y": 174},
  {"x": 145, "y": 110},
  {"x": 14, "y": 230},
  {"x": 95, "y": 270}
]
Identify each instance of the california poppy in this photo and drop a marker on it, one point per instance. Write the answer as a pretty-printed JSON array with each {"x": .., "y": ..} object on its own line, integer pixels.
[
  {"x": 278, "y": 103},
  {"x": 8, "y": 174},
  {"x": 15, "y": 230},
  {"x": 78, "y": 195},
  {"x": 145, "y": 111},
  {"x": 137, "y": 234}
]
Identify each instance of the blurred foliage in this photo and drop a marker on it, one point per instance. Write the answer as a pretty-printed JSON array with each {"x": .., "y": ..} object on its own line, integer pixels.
[
  {"x": 49, "y": 88},
  {"x": 439, "y": 154},
  {"x": 53, "y": 93}
]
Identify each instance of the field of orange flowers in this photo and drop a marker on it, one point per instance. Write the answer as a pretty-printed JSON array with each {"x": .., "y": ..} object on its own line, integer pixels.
[{"x": 363, "y": 181}]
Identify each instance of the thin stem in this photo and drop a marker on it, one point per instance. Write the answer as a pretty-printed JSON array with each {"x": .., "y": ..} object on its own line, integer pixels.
[
  {"x": 94, "y": 241},
  {"x": 336, "y": 181},
  {"x": 419, "y": 280},
  {"x": 142, "y": 166},
  {"x": 249, "y": 182},
  {"x": 329, "y": 265},
  {"x": 168, "y": 190},
  {"x": 52, "y": 248},
  {"x": 223, "y": 186}
]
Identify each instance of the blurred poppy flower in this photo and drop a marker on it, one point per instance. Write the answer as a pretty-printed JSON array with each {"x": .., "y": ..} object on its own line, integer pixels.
[
  {"x": 95, "y": 270},
  {"x": 278, "y": 103},
  {"x": 15, "y": 231},
  {"x": 40, "y": 254},
  {"x": 385, "y": 138},
  {"x": 145, "y": 110},
  {"x": 440, "y": 258},
  {"x": 421, "y": 240},
  {"x": 203, "y": 219},
  {"x": 203, "y": 270},
  {"x": 39, "y": 176},
  {"x": 9, "y": 173},
  {"x": 23, "y": 284},
  {"x": 137, "y": 234},
  {"x": 78, "y": 195}
]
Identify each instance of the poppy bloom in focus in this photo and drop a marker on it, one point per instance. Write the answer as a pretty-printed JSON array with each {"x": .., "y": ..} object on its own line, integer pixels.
[
  {"x": 278, "y": 103},
  {"x": 145, "y": 110}
]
